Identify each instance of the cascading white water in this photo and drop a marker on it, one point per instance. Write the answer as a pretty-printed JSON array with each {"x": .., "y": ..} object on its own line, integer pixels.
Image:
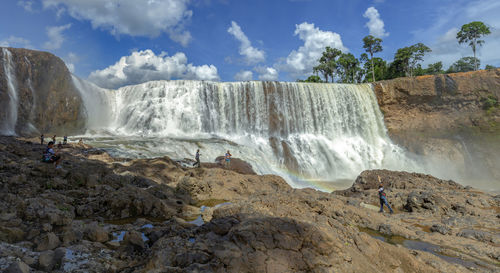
[
  {"x": 302, "y": 131},
  {"x": 8, "y": 126}
]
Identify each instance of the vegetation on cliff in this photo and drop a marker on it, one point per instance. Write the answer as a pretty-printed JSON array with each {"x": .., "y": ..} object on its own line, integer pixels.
[{"x": 337, "y": 66}]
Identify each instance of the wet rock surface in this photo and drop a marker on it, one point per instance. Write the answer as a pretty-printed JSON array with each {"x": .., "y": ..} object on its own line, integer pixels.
[
  {"x": 48, "y": 101},
  {"x": 99, "y": 214}
]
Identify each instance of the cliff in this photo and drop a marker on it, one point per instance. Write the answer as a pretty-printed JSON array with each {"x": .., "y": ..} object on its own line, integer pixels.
[
  {"x": 440, "y": 102},
  {"x": 37, "y": 94},
  {"x": 452, "y": 118}
]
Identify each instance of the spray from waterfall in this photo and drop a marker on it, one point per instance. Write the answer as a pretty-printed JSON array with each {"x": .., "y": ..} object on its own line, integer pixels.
[{"x": 8, "y": 126}]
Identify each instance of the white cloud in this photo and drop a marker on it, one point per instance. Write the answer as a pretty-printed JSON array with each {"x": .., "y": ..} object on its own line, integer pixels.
[
  {"x": 145, "y": 65},
  {"x": 267, "y": 73},
  {"x": 251, "y": 54},
  {"x": 375, "y": 24},
  {"x": 441, "y": 35},
  {"x": 14, "y": 41},
  {"x": 300, "y": 62},
  {"x": 27, "y": 5},
  {"x": 132, "y": 17},
  {"x": 56, "y": 37},
  {"x": 244, "y": 75}
]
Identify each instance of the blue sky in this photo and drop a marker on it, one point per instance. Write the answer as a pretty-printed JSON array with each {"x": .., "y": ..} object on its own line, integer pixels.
[{"x": 119, "y": 42}]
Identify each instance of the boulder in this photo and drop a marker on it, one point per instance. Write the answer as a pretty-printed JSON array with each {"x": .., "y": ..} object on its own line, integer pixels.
[
  {"x": 441, "y": 229},
  {"x": 96, "y": 233},
  {"x": 46, "y": 260},
  {"x": 134, "y": 238},
  {"x": 479, "y": 235},
  {"x": 17, "y": 267},
  {"x": 47, "y": 241}
]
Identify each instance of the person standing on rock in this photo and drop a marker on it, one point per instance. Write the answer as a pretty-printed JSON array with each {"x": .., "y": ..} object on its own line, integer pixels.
[
  {"x": 197, "y": 157},
  {"x": 227, "y": 158},
  {"x": 383, "y": 197},
  {"x": 54, "y": 139},
  {"x": 49, "y": 156},
  {"x": 42, "y": 139},
  {"x": 65, "y": 140}
]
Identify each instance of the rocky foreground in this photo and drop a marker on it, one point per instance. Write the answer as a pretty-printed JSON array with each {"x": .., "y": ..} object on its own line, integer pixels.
[{"x": 101, "y": 214}]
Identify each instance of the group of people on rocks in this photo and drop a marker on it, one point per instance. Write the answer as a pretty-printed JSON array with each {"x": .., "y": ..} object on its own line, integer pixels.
[
  {"x": 49, "y": 154},
  {"x": 227, "y": 159}
]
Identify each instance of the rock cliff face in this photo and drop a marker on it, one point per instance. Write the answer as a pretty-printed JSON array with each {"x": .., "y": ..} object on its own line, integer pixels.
[
  {"x": 440, "y": 102},
  {"x": 37, "y": 94},
  {"x": 453, "y": 117}
]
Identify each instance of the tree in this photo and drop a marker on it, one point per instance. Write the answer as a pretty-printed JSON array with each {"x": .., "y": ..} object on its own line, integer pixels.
[
  {"x": 324, "y": 69},
  {"x": 312, "y": 78},
  {"x": 464, "y": 65},
  {"x": 408, "y": 57},
  {"x": 471, "y": 34},
  {"x": 435, "y": 68},
  {"x": 490, "y": 67},
  {"x": 348, "y": 66},
  {"x": 372, "y": 45},
  {"x": 328, "y": 63},
  {"x": 379, "y": 68}
]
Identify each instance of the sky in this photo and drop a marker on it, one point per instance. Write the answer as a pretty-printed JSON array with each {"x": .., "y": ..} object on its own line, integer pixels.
[{"x": 121, "y": 42}]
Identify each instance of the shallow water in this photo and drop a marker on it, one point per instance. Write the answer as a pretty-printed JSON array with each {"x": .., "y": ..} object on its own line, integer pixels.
[{"x": 418, "y": 245}]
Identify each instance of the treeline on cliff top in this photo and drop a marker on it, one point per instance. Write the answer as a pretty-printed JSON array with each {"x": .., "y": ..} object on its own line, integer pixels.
[{"x": 337, "y": 66}]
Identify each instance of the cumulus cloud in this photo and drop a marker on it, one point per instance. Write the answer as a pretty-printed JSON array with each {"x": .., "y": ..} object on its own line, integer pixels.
[
  {"x": 375, "y": 24},
  {"x": 14, "y": 41},
  {"x": 440, "y": 36},
  {"x": 131, "y": 17},
  {"x": 251, "y": 54},
  {"x": 56, "y": 37},
  {"x": 27, "y": 5},
  {"x": 267, "y": 73},
  {"x": 300, "y": 62},
  {"x": 244, "y": 75},
  {"x": 145, "y": 65}
]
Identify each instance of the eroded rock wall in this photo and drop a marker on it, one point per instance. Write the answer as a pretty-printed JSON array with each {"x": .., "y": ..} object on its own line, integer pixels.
[
  {"x": 452, "y": 118},
  {"x": 47, "y": 100},
  {"x": 439, "y": 102}
]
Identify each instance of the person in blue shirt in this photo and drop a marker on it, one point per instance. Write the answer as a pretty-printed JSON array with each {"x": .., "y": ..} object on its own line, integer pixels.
[
  {"x": 383, "y": 198},
  {"x": 227, "y": 159},
  {"x": 49, "y": 156}
]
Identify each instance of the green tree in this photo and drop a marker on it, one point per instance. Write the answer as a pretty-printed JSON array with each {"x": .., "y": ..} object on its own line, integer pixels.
[
  {"x": 379, "y": 68},
  {"x": 328, "y": 65},
  {"x": 490, "y": 67},
  {"x": 348, "y": 67},
  {"x": 372, "y": 45},
  {"x": 312, "y": 78},
  {"x": 435, "y": 68},
  {"x": 324, "y": 69},
  {"x": 408, "y": 58},
  {"x": 471, "y": 34},
  {"x": 464, "y": 65}
]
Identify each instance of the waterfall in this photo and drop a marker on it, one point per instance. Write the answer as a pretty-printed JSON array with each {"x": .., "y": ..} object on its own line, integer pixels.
[
  {"x": 8, "y": 127},
  {"x": 297, "y": 130}
]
